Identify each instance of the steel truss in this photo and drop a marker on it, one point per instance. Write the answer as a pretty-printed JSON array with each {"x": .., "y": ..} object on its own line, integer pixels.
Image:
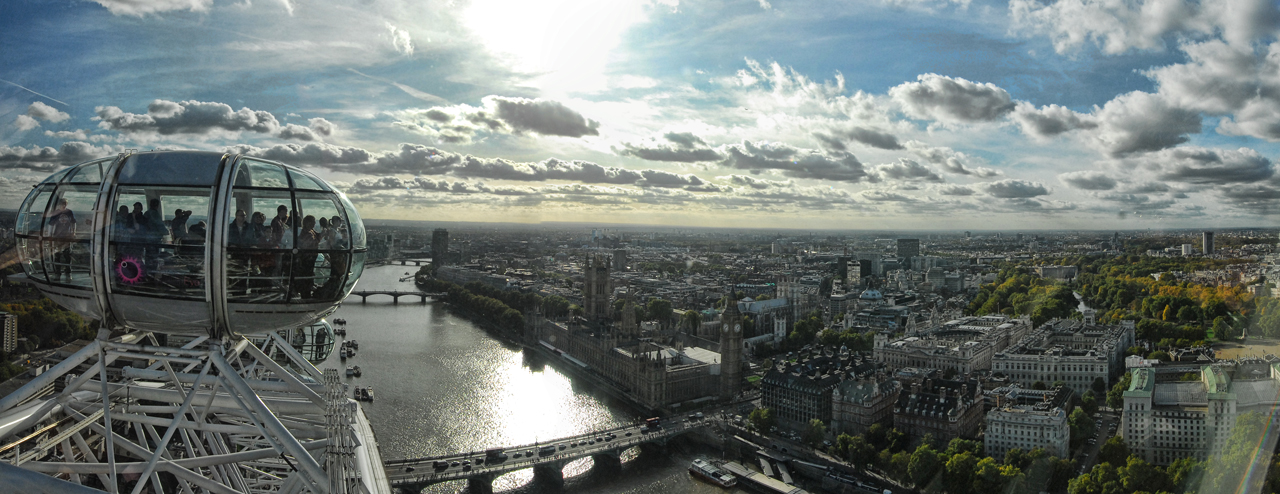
[{"x": 208, "y": 417}]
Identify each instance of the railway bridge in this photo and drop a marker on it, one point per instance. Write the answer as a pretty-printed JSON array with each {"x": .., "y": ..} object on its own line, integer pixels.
[
  {"x": 396, "y": 294},
  {"x": 546, "y": 458}
]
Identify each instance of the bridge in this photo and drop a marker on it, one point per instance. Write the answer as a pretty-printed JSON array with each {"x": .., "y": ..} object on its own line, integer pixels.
[
  {"x": 396, "y": 294},
  {"x": 603, "y": 446},
  {"x": 406, "y": 261}
]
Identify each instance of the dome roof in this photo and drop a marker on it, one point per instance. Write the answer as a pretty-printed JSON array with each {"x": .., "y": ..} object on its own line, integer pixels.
[
  {"x": 871, "y": 294},
  {"x": 188, "y": 242}
]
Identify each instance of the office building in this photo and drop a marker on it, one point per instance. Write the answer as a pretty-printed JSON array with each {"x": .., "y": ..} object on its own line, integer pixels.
[
  {"x": 440, "y": 247},
  {"x": 857, "y": 404},
  {"x": 1028, "y": 419},
  {"x": 1075, "y": 352},
  {"x": 942, "y": 407},
  {"x": 1207, "y": 243},
  {"x": 908, "y": 248}
]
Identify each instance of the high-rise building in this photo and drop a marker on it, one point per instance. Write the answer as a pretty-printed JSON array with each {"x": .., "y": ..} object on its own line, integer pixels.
[
  {"x": 730, "y": 351},
  {"x": 440, "y": 247},
  {"x": 619, "y": 260},
  {"x": 908, "y": 248},
  {"x": 595, "y": 293},
  {"x": 1207, "y": 245},
  {"x": 9, "y": 327}
]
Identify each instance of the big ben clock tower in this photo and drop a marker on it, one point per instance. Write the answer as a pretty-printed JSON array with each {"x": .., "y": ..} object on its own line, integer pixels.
[{"x": 730, "y": 350}]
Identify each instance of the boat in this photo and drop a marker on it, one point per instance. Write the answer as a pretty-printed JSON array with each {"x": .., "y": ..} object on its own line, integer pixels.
[
  {"x": 340, "y": 322},
  {"x": 340, "y": 332},
  {"x": 342, "y": 354},
  {"x": 368, "y": 394},
  {"x": 709, "y": 472},
  {"x": 351, "y": 371},
  {"x": 355, "y": 345},
  {"x": 356, "y": 369}
]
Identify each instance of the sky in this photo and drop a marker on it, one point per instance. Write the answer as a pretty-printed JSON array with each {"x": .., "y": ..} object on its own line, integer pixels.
[{"x": 829, "y": 114}]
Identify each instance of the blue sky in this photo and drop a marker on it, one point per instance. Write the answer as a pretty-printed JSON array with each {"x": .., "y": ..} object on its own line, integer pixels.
[{"x": 911, "y": 114}]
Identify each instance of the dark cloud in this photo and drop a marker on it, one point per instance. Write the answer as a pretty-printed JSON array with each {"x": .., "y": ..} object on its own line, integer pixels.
[
  {"x": 1011, "y": 189},
  {"x": 678, "y": 146},
  {"x": 835, "y": 139},
  {"x": 297, "y": 132},
  {"x": 48, "y": 159},
  {"x": 1088, "y": 180},
  {"x": 795, "y": 163},
  {"x": 316, "y": 154},
  {"x": 414, "y": 159},
  {"x": 321, "y": 126},
  {"x": 1256, "y": 199},
  {"x": 500, "y": 114},
  {"x": 1207, "y": 166},
  {"x": 952, "y": 99},
  {"x": 186, "y": 117},
  {"x": 1146, "y": 188},
  {"x": 1050, "y": 121},
  {"x": 949, "y": 159},
  {"x": 1137, "y": 122},
  {"x": 1138, "y": 202},
  {"x": 956, "y": 190},
  {"x": 545, "y": 117},
  {"x": 906, "y": 169}
]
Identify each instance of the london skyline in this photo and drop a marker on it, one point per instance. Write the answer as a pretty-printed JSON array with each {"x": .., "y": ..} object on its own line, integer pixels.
[{"x": 910, "y": 115}]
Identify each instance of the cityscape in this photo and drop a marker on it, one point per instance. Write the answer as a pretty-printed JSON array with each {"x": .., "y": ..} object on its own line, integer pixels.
[
  {"x": 859, "y": 362},
  {"x": 640, "y": 246}
]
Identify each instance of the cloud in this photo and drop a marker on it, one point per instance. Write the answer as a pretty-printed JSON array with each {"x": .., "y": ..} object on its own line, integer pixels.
[
  {"x": 1015, "y": 189},
  {"x": 756, "y": 183},
  {"x": 25, "y": 123},
  {"x": 48, "y": 159},
  {"x": 315, "y": 154},
  {"x": 794, "y": 162},
  {"x": 950, "y": 160},
  {"x": 1240, "y": 82},
  {"x": 41, "y": 111},
  {"x": 400, "y": 40},
  {"x": 139, "y": 9},
  {"x": 952, "y": 99},
  {"x": 956, "y": 190},
  {"x": 885, "y": 196},
  {"x": 1049, "y": 121},
  {"x": 1088, "y": 180},
  {"x": 835, "y": 139},
  {"x": 906, "y": 169},
  {"x": 1256, "y": 199},
  {"x": 1137, "y": 121},
  {"x": 682, "y": 147},
  {"x": 499, "y": 114},
  {"x": 1118, "y": 27},
  {"x": 186, "y": 117},
  {"x": 1207, "y": 166}
]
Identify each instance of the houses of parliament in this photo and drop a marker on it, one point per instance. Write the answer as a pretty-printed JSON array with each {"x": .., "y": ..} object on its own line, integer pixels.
[{"x": 654, "y": 367}]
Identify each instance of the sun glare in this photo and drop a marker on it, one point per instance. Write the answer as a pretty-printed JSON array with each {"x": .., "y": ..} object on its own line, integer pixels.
[{"x": 565, "y": 42}]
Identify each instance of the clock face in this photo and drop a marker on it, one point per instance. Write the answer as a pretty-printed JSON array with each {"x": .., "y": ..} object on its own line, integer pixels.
[{"x": 737, "y": 328}]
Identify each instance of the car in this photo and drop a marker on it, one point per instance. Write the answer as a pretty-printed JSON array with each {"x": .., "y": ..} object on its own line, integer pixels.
[
  {"x": 466, "y": 468},
  {"x": 454, "y": 464},
  {"x": 562, "y": 447},
  {"x": 466, "y": 462},
  {"x": 628, "y": 434},
  {"x": 408, "y": 469},
  {"x": 479, "y": 461},
  {"x": 608, "y": 438}
]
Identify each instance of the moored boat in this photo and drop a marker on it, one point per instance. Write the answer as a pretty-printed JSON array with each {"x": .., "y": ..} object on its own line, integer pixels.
[{"x": 709, "y": 472}]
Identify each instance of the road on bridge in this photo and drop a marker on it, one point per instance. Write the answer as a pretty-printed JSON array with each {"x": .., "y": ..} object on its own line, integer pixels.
[{"x": 473, "y": 464}]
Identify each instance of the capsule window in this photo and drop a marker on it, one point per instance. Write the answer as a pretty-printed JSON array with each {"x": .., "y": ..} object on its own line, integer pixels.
[
  {"x": 88, "y": 173},
  {"x": 158, "y": 237},
  {"x": 259, "y": 250},
  {"x": 252, "y": 173},
  {"x": 303, "y": 181},
  {"x": 32, "y": 215}
]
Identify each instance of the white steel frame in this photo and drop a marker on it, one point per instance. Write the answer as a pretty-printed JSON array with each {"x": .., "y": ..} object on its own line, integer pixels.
[{"x": 208, "y": 417}]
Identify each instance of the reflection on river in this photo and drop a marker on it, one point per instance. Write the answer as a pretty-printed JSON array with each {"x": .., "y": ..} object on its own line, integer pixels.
[{"x": 444, "y": 385}]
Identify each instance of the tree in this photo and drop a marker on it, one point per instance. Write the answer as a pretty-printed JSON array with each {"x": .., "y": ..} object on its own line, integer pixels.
[
  {"x": 814, "y": 432},
  {"x": 1160, "y": 355},
  {"x": 1089, "y": 402},
  {"x": 924, "y": 465},
  {"x": 1185, "y": 474},
  {"x": 958, "y": 476},
  {"x": 957, "y": 446},
  {"x": 1115, "y": 397},
  {"x": 1114, "y": 451},
  {"x": 692, "y": 320},
  {"x": 659, "y": 309},
  {"x": 1099, "y": 385},
  {"x": 1103, "y": 479},
  {"x": 1039, "y": 386},
  {"x": 1138, "y": 475},
  {"x": 762, "y": 419},
  {"x": 1082, "y": 426}
]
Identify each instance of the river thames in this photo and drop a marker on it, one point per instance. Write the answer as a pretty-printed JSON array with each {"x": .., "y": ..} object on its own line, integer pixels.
[{"x": 443, "y": 385}]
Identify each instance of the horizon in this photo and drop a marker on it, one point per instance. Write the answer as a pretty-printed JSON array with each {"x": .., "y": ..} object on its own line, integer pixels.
[{"x": 898, "y": 115}]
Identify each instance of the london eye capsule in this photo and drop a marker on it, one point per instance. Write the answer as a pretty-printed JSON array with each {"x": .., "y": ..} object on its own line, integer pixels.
[{"x": 186, "y": 242}]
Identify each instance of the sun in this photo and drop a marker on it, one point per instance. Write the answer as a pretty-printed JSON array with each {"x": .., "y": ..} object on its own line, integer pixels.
[{"x": 565, "y": 43}]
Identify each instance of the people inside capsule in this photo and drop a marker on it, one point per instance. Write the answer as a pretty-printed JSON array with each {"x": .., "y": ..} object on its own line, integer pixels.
[
  {"x": 62, "y": 229},
  {"x": 179, "y": 225}
]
